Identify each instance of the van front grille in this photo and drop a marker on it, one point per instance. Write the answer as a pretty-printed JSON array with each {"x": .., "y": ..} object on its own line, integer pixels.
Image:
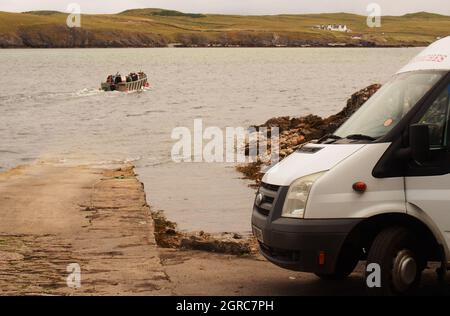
[
  {"x": 270, "y": 187},
  {"x": 263, "y": 211},
  {"x": 269, "y": 193}
]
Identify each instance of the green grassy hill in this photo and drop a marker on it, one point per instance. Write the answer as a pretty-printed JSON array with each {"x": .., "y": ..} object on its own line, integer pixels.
[{"x": 159, "y": 28}]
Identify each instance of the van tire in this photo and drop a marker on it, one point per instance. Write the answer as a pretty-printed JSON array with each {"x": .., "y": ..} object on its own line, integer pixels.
[{"x": 398, "y": 254}]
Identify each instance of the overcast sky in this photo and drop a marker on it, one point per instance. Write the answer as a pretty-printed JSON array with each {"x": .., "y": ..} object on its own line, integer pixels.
[{"x": 389, "y": 7}]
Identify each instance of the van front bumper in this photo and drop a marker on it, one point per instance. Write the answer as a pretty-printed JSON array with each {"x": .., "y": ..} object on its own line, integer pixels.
[{"x": 310, "y": 245}]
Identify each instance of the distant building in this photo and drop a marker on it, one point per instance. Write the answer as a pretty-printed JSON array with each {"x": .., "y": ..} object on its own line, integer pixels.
[
  {"x": 333, "y": 27},
  {"x": 172, "y": 45}
]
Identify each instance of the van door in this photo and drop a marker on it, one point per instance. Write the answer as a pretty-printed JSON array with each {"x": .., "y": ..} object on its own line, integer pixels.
[{"x": 427, "y": 185}]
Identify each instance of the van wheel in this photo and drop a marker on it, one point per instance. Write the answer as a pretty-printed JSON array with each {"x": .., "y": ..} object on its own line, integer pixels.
[{"x": 398, "y": 255}]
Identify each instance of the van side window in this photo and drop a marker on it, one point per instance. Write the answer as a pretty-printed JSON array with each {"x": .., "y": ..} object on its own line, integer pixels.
[{"x": 437, "y": 118}]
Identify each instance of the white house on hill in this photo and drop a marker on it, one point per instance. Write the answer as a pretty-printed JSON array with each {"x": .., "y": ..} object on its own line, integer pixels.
[{"x": 334, "y": 27}]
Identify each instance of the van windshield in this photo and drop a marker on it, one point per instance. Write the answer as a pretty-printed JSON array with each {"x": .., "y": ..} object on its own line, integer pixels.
[{"x": 389, "y": 105}]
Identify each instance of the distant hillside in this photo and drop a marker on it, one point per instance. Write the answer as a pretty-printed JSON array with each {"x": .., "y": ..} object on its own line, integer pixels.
[
  {"x": 425, "y": 15},
  {"x": 42, "y": 12},
  {"x": 161, "y": 12},
  {"x": 161, "y": 28}
]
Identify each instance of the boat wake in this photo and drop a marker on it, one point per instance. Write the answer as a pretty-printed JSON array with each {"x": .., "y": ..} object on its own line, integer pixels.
[
  {"x": 83, "y": 93},
  {"x": 38, "y": 97},
  {"x": 143, "y": 89},
  {"x": 87, "y": 92}
]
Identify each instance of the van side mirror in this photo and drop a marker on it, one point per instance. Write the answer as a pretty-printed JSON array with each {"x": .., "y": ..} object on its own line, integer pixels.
[{"x": 419, "y": 141}]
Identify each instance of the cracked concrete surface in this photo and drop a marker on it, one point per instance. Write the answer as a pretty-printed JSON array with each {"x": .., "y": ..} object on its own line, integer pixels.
[{"x": 53, "y": 216}]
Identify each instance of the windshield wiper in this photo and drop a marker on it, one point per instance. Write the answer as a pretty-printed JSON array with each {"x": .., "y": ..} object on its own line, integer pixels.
[
  {"x": 360, "y": 137},
  {"x": 329, "y": 136}
]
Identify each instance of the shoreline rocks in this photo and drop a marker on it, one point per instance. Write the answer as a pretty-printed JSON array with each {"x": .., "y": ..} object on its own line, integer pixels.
[
  {"x": 61, "y": 36},
  {"x": 295, "y": 131},
  {"x": 167, "y": 235}
]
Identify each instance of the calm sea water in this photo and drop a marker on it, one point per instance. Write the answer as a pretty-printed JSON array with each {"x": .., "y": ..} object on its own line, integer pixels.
[{"x": 51, "y": 110}]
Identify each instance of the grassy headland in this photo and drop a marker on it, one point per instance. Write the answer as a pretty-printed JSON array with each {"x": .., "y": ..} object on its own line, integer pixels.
[{"x": 160, "y": 28}]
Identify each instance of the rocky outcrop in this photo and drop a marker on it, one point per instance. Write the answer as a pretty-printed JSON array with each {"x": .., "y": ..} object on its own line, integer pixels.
[
  {"x": 294, "y": 131},
  {"x": 10, "y": 41},
  {"x": 167, "y": 235},
  {"x": 59, "y": 36},
  {"x": 260, "y": 39}
]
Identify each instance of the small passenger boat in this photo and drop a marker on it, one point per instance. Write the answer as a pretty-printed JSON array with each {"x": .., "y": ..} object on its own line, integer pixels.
[{"x": 132, "y": 82}]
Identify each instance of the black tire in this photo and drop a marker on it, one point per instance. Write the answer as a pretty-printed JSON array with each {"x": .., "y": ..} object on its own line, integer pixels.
[
  {"x": 348, "y": 259},
  {"x": 398, "y": 254}
]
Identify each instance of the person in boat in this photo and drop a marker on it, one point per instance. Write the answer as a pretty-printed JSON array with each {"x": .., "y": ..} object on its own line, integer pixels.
[
  {"x": 133, "y": 76},
  {"x": 141, "y": 75}
]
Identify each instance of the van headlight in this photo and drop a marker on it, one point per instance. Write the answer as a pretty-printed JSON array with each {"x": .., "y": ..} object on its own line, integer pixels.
[{"x": 297, "y": 196}]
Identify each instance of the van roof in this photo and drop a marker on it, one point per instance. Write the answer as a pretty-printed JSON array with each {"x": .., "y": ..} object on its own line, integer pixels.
[{"x": 434, "y": 57}]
